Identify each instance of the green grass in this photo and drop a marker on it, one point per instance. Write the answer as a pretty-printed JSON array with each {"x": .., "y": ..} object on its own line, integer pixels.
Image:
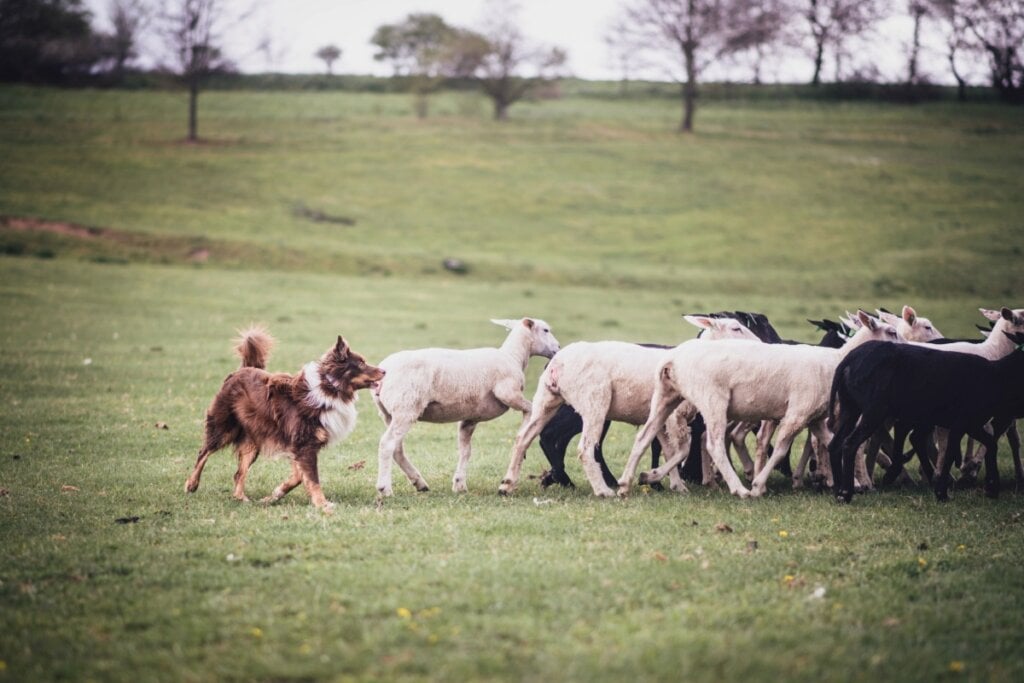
[{"x": 589, "y": 213}]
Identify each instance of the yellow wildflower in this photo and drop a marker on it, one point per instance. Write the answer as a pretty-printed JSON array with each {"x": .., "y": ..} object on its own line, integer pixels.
[
  {"x": 956, "y": 666},
  {"x": 256, "y": 632},
  {"x": 922, "y": 562},
  {"x": 783, "y": 534},
  {"x": 404, "y": 613}
]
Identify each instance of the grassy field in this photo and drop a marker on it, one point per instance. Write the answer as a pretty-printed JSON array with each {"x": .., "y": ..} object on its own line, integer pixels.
[{"x": 589, "y": 213}]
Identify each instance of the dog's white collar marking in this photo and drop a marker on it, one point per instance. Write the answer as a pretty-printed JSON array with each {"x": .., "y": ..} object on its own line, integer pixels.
[{"x": 337, "y": 416}]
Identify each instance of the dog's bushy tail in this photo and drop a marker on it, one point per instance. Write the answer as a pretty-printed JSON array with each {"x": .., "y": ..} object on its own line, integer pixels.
[{"x": 253, "y": 347}]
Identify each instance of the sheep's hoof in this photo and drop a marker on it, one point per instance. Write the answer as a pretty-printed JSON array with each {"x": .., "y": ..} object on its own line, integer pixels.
[
  {"x": 505, "y": 488},
  {"x": 942, "y": 496},
  {"x": 843, "y": 498},
  {"x": 384, "y": 490},
  {"x": 757, "y": 491},
  {"x": 798, "y": 484},
  {"x": 680, "y": 488},
  {"x": 242, "y": 498},
  {"x": 607, "y": 493},
  {"x": 191, "y": 486},
  {"x": 423, "y": 488},
  {"x": 992, "y": 490},
  {"x": 327, "y": 508},
  {"x": 457, "y": 487},
  {"x": 742, "y": 493},
  {"x": 967, "y": 481},
  {"x": 622, "y": 491}
]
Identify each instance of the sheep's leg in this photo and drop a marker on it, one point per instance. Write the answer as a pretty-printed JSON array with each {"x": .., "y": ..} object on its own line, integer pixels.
[
  {"x": 801, "y": 467},
  {"x": 588, "y": 441},
  {"x": 785, "y": 434},
  {"x": 952, "y": 453},
  {"x": 862, "y": 479},
  {"x": 738, "y": 440},
  {"x": 924, "y": 443},
  {"x": 988, "y": 442},
  {"x": 410, "y": 470},
  {"x": 899, "y": 438},
  {"x": 677, "y": 448},
  {"x": 665, "y": 400},
  {"x": 1013, "y": 436},
  {"x": 716, "y": 445},
  {"x": 710, "y": 474},
  {"x": 247, "y": 454},
  {"x": 554, "y": 441},
  {"x": 287, "y": 485},
  {"x": 606, "y": 473},
  {"x": 545, "y": 405},
  {"x": 390, "y": 442},
  {"x": 764, "y": 444},
  {"x": 466, "y": 428}
]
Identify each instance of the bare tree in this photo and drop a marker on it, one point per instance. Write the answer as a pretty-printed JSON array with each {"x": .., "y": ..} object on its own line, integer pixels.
[
  {"x": 950, "y": 20},
  {"x": 692, "y": 35},
  {"x": 624, "y": 56},
  {"x": 998, "y": 28},
  {"x": 193, "y": 31},
  {"x": 918, "y": 10},
  {"x": 831, "y": 23},
  {"x": 129, "y": 19},
  {"x": 329, "y": 54},
  {"x": 508, "y": 66}
]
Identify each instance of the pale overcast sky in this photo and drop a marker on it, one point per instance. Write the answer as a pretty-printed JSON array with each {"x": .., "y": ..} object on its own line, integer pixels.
[{"x": 296, "y": 28}]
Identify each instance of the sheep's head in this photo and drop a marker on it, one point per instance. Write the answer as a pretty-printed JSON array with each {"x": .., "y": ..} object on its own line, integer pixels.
[
  {"x": 542, "y": 342},
  {"x": 871, "y": 328},
  {"x": 911, "y": 326},
  {"x": 720, "y": 328}
]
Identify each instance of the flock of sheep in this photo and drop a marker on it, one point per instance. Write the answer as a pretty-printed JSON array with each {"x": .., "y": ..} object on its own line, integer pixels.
[{"x": 870, "y": 375}]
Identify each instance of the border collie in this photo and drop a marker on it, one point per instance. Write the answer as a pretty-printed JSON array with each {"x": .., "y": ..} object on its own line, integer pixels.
[{"x": 262, "y": 412}]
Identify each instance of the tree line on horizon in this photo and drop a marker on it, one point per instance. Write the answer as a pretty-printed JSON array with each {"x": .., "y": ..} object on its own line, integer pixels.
[{"x": 55, "y": 41}]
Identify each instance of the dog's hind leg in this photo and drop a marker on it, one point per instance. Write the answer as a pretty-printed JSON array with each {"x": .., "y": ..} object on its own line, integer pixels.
[
  {"x": 221, "y": 430},
  {"x": 247, "y": 454}
]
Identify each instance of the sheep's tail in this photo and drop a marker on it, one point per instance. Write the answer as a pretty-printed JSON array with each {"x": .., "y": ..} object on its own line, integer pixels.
[
  {"x": 837, "y": 389},
  {"x": 253, "y": 347}
]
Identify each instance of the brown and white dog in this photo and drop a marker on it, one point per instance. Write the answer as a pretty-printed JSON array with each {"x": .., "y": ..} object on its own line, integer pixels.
[{"x": 262, "y": 412}]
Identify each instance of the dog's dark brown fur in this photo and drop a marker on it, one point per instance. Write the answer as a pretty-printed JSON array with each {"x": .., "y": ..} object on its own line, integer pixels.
[{"x": 262, "y": 412}]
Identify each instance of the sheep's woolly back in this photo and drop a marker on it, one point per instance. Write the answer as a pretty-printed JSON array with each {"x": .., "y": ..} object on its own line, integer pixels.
[{"x": 254, "y": 346}]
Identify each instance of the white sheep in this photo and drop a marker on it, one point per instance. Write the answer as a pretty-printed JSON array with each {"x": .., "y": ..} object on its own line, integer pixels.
[
  {"x": 608, "y": 380},
  {"x": 910, "y": 326},
  {"x": 741, "y": 380},
  {"x": 447, "y": 385}
]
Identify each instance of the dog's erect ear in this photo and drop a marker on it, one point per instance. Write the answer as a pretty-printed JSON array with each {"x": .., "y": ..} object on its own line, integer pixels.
[
  {"x": 341, "y": 348},
  {"x": 909, "y": 314}
]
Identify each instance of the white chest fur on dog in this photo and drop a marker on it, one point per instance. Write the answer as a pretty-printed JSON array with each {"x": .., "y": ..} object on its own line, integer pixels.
[{"x": 338, "y": 416}]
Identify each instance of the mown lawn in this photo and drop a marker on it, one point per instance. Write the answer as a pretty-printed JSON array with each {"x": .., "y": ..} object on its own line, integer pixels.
[{"x": 591, "y": 214}]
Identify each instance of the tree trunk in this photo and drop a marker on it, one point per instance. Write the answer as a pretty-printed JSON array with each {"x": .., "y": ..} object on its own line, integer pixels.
[
  {"x": 500, "y": 109},
  {"x": 915, "y": 50},
  {"x": 819, "y": 60},
  {"x": 193, "y": 106},
  {"x": 961, "y": 84}
]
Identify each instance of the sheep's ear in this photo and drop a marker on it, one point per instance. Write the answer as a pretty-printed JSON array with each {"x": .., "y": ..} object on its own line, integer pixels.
[
  {"x": 507, "y": 324},
  {"x": 990, "y": 314},
  {"x": 1007, "y": 314},
  {"x": 528, "y": 323},
  {"x": 701, "y": 321},
  {"x": 867, "y": 321},
  {"x": 887, "y": 317},
  {"x": 909, "y": 314}
]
